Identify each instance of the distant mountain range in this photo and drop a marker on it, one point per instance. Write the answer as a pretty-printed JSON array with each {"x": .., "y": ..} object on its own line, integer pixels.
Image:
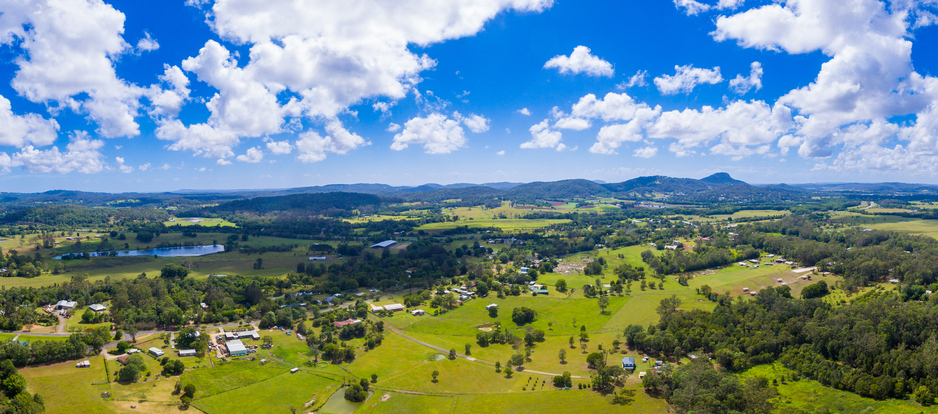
[{"x": 716, "y": 188}]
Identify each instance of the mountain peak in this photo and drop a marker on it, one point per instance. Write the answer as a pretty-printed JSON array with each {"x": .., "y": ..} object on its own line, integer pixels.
[{"x": 721, "y": 178}]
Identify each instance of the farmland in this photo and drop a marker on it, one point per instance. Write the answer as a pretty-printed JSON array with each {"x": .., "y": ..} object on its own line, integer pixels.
[{"x": 598, "y": 263}]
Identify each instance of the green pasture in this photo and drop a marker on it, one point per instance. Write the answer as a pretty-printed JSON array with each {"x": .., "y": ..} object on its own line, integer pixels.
[
  {"x": 33, "y": 338},
  {"x": 67, "y": 389},
  {"x": 504, "y": 224},
  {"x": 912, "y": 226},
  {"x": 205, "y": 222},
  {"x": 377, "y": 218},
  {"x": 547, "y": 401},
  {"x": 751, "y": 214},
  {"x": 565, "y": 314},
  {"x": 277, "y": 394}
]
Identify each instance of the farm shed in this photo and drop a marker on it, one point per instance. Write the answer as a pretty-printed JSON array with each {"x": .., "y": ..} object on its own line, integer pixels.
[{"x": 236, "y": 348}]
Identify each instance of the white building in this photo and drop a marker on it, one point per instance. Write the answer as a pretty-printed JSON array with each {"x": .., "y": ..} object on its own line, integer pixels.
[{"x": 66, "y": 304}]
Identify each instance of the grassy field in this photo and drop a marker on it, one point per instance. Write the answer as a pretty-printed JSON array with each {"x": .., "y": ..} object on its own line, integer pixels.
[
  {"x": 547, "y": 401},
  {"x": 204, "y": 222},
  {"x": 67, "y": 389},
  {"x": 378, "y": 217},
  {"x": 751, "y": 214},
  {"x": 913, "y": 226},
  {"x": 809, "y": 396},
  {"x": 504, "y": 224},
  {"x": 277, "y": 394},
  {"x": 565, "y": 315}
]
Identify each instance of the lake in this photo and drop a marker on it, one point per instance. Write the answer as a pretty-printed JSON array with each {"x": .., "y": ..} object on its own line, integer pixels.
[{"x": 191, "y": 251}]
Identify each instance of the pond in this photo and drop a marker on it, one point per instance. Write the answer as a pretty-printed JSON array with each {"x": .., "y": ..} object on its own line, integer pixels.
[
  {"x": 337, "y": 404},
  {"x": 190, "y": 251}
]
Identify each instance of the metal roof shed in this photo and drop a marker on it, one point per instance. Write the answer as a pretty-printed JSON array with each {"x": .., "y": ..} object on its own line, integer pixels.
[
  {"x": 384, "y": 245},
  {"x": 236, "y": 348}
]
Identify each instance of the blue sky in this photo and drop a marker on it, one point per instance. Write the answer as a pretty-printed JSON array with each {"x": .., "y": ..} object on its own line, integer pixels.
[{"x": 196, "y": 94}]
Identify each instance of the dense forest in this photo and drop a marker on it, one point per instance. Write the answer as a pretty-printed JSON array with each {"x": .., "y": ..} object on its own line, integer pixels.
[
  {"x": 68, "y": 216},
  {"x": 332, "y": 204}
]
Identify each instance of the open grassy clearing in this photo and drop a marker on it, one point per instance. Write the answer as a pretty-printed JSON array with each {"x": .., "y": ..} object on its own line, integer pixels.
[
  {"x": 751, "y": 214},
  {"x": 809, "y": 396},
  {"x": 36, "y": 338},
  {"x": 204, "y": 222},
  {"x": 504, "y": 224},
  {"x": 924, "y": 205},
  {"x": 67, "y": 389},
  {"x": 457, "y": 376},
  {"x": 912, "y": 226},
  {"x": 277, "y": 394},
  {"x": 566, "y": 315},
  {"x": 569, "y": 401},
  {"x": 484, "y": 213},
  {"x": 379, "y": 217}
]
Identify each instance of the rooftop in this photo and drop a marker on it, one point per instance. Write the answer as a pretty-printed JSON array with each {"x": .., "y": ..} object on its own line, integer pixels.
[
  {"x": 235, "y": 346},
  {"x": 384, "y": 244}
]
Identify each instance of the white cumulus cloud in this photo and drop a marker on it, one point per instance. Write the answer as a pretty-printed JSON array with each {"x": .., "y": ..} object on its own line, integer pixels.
[
  {"x": 543, "y": 137},
  {"x": 645, "y": 152},
  {"x": 475, "y": 123},
  {"x": 580, "y": 61},
  {"x": 638, "y": 79},
  {"x": 742, "y": 85},
  {"x": 524, "y": 111},
  {"x": 326, "y": 56},
  {"x": 869, "y": 76},
  {"x": 20, "y": 130},
  {"x": 694, "y": 7},
  {"x": 126, "y": 169},
  {"x": 686, "y": 79},
  {"x": 252, "y": 155},
  {"x": 82, "y": 156},
  {"x": 147, "y": 44},
  {"x": 279, "y": 147},
  {"x": 69, "y": 50},
  {"x": 436, "y": 132},
  {"x": 313, "y": 148}
]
